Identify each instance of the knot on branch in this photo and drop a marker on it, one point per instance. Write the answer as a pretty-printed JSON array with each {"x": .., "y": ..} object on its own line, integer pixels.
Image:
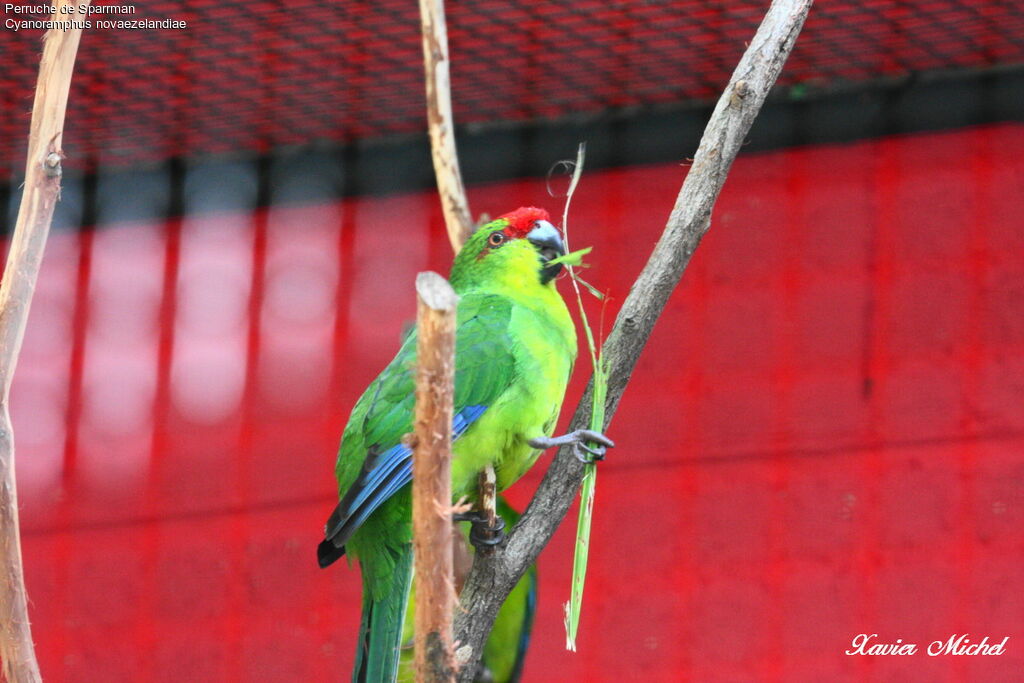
[
  {"x": 51, "y": 165},
  {"x": 740, "y": 90}
]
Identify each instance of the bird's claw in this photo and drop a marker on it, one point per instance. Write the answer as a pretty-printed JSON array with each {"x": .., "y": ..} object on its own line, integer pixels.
[
  {"x": 482, "y": 534},
  {"x": 584, "y": 453},
  {"x": 593, "y": 454}
]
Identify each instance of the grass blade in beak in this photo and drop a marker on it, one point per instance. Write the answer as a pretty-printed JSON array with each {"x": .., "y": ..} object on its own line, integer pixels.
[{"x": 573, "y": 258}]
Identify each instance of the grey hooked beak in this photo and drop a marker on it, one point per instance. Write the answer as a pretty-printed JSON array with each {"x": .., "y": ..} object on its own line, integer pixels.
[{"x": 548, "y": 242}]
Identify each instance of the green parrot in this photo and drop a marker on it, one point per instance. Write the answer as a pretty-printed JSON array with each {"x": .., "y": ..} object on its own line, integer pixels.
[
  {"x": 515, "y": 347},
  {"x": 505, "y": 649}
]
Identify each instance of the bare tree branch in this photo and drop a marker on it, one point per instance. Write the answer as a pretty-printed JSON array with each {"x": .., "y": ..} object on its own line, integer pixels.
[
  {"x": 493, "y": 576},
  {"x": 432, "y": 479},
  {"x": 442, "y": 125},
  {"x": 42, "y": 190}
]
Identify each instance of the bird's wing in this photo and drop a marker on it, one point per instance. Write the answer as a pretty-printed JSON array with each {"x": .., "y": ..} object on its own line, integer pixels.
[{"x": 484, "y": 368}]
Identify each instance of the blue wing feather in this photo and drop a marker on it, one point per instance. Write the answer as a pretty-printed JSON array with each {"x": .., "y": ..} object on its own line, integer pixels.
[
  {"x": 388, "y": 473},
  {"x": 387, "y": 464}
]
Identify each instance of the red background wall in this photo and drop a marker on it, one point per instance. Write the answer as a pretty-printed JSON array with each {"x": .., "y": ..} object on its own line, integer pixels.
[{"x": 823, "y": 438}]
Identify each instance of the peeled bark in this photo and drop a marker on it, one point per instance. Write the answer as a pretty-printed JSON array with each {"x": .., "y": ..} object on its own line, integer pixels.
[{"x": 432, "y": 479}]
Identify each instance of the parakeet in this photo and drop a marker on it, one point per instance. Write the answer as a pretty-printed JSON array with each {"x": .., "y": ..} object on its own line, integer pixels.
[
  {"x": 505, "y": 649},
  {"x": 515, "y": 348}
]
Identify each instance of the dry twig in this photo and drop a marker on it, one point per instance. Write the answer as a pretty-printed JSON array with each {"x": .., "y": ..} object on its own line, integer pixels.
[
  {"x": 42, "y": 190},
  {"x": 442, "y": 125}
]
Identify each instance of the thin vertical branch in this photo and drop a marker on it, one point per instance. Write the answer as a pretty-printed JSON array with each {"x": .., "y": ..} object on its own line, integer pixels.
[
  {"x": 454, "y": 204},
  {"x": 441, "y": 123},
  {"x": 42, "y": 190},
  {"x": 432, "y": 479}
]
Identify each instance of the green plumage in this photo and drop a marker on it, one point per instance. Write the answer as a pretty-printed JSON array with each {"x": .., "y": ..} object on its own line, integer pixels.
[
  {"x": 515, "y": 346},
  {"x": 381, "y": 623}
]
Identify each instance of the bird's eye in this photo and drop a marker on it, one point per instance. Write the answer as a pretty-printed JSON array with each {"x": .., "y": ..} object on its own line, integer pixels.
[{"x": 496, "y": 238}]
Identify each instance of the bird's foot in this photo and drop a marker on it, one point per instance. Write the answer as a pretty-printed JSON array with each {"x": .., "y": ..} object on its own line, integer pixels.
[
  {"x": 482, "y": 534},
  {"x": 584, "y": 453}
]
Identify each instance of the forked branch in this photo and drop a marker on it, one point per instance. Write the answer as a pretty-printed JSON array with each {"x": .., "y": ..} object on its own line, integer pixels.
[{"x": 493, "y": 576}]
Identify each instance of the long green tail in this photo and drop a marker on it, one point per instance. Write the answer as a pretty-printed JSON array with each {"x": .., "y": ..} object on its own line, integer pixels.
[{"x": 380, "y": 632}]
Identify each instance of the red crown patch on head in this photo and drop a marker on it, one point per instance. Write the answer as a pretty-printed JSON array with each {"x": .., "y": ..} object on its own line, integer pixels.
[{"x": 522, "y": 219}]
